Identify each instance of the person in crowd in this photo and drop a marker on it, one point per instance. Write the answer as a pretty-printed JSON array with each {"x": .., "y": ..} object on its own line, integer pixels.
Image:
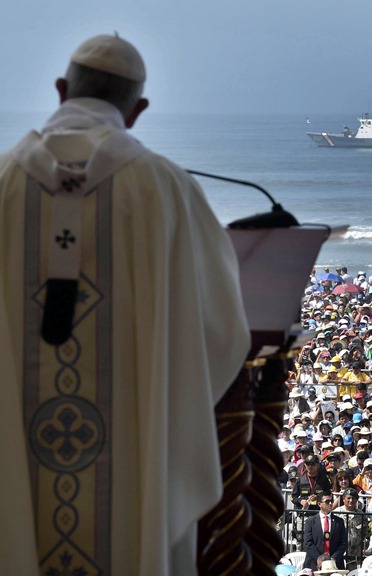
[
  {"x": 311, "y": 394},
  {"x": 297, "y": 402},
  {"x": 114, "y": 269},
  {"x": 344, "y": 479},
  {"x": 337, "y": 363},
  {"x": 285, "y": 435},
  {"x": 327, "y": 449},
  {"x": 320, "y": 346},
  {"x": 344, "y": 423},
  {"x": 364, "y": 481},
  {"x": 286, "y": 454},
  {"x": 324, "y": 359},
  {"x": 306, "y": 450},
  {"x": 297, "y": 457},
  {"x": 334, "y": 460},
  {"x": 325, "y": 428},
  {"x": 355, "y": 378},
  {"x": 362, "y": 446},
  {"x": 324, "y": 558},
  {"x": 331, "y": 475},
  {"x": 355, "y": 434},
  {"x": 317, "y": 443},
  {"x": 305, "y": 376},
  {"x": 317, "y": 413},
  {"x": 324, "y": 533},
  {"x": 360, "y": 457},
  {"x": 337, "y": 440},
  {"x": 360, "y": 404},
  {"x": 356, "y": 527},
  {"x": 317, "y": 372},
  {"x": 349, "y": 445},
  {"x": 330, "y": 415},
  {"x": 311, "y": 481},
  {"x": 306, "y": 422}
]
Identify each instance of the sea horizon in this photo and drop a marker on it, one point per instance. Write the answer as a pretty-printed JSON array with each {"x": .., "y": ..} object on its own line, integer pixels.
[{"x": 318, "y": 185}]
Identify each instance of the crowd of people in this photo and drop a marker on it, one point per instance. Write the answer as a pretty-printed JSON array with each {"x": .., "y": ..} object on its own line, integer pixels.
[{"x": 326, "y": 439}]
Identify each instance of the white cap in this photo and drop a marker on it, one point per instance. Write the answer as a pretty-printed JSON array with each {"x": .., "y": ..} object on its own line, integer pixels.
[
  {"x": 367, "y": 462},
  {"x": 113, "y": 55}
]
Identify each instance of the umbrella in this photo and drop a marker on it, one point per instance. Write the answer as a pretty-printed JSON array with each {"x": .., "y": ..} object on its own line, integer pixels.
[
  {"x": 347, "y": 289},
  {"x": 330, "y": 276}
]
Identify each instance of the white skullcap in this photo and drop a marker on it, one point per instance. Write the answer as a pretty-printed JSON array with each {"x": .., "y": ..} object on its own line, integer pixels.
[{"x": 113, "y": 55}]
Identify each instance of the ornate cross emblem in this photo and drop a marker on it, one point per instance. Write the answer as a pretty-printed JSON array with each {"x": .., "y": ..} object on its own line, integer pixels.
[
  {"x": 67, "y": 435},
  {"x": 64, "y": 240}
]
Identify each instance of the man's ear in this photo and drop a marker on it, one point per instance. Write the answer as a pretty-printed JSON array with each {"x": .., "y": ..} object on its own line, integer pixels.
[
  {"x": 132, "y": 116},
  {"x": 61, "y": 85}
]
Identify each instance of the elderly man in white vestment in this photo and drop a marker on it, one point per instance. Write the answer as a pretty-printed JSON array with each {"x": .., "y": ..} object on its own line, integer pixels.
[{"x": 122, "y": 326}]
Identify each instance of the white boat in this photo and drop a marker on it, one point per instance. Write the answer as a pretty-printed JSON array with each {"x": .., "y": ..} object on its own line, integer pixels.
[{"x": 346, "y": 139}]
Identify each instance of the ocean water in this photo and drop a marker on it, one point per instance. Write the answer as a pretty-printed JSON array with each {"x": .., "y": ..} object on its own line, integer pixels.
[{"x": 318, "y": 185}]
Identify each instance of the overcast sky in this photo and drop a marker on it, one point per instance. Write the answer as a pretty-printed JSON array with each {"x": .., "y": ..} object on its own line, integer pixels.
[{"x": 202, "y": 56}]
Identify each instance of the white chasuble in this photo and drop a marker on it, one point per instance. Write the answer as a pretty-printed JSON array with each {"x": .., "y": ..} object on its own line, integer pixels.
[{"x": 122, "y": 456}]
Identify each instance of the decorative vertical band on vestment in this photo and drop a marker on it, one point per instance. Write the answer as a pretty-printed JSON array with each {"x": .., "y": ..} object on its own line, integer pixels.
[{"x": 68, "y": 395}]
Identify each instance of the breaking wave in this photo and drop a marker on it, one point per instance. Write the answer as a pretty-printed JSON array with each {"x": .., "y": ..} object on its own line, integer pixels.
[{"x": 358, "y": 233}]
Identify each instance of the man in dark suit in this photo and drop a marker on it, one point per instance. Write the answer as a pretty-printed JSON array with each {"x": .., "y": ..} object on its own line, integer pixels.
[{"x": 324, "y": 533}]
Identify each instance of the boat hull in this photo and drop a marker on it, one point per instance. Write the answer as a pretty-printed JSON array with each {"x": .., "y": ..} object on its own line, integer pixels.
[{"x": 329, "y": 140}]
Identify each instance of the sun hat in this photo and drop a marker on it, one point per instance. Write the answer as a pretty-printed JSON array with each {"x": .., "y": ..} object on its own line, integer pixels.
[
  {"x": 325, "y": 422},
  {"x": 347, "y": 406},
  {"x": 339, "y": 449},
  {"x": 327, "y": 445},
  {"x": 365, "y": 431},
  {"x": 285, "y": 447},
  {"x": 295, "y": 392},
  {"x": 317, "y": 436},
  {"x": 305, "y": 572},
  {"x": 362, "y": 442},
  {"x": 109, "y": 53},
  {"x": 330, "y": 567},
  {"x": 366, "y": 464}
]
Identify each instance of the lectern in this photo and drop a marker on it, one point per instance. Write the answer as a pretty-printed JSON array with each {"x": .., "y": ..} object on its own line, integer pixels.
[{"x": 238, "y": 537}]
